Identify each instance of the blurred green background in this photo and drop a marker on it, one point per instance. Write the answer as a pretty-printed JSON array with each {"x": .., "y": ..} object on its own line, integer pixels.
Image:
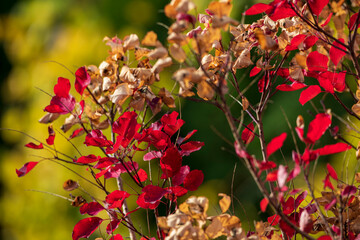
[{"x": 34, "y": 34}]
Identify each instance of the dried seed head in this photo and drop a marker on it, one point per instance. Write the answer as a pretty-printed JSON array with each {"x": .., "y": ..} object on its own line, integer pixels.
[
  {"x": 78, "y": 201},
  {"x": 70, "y": 185}
]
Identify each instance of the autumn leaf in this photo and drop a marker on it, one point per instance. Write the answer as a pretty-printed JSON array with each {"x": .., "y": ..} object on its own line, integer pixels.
[
  {"x": 224, "y": 202},
  {"x": 82, "y": 80},
  {"x": 85, "y": 227},
  {"x": 27, "y": 167},
  {"x": 309, "y": 93},
  {"x": 275, "y": 144}
]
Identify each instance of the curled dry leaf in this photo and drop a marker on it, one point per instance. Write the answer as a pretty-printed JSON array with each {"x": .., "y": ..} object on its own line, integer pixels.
[
  {"x": 160, "y": 64},
  {"x": 150, "y": 39},
  {"x": 177, "y": 52},
  {"x": 225, "y": 202},
  {"x": 49, "y": 118},
  {"x": 166, "y": 97},
  {"x": 121, "y": 93},
  {"x": 205, "y": 91}
]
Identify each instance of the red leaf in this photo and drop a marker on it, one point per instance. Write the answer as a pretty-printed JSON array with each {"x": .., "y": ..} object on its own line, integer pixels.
[
  {"x": 82, "y": 80},
  {"x": 317, "y": 127},
  {"x": 292, "y": 87},
  {"x": 189, "y": 135},
  {"x": 309, "y": 42},
  {"x": 275, "y": 144},
  {"x": 152, "y": 155},
  {"x": 126, "y": 126},
  {"x": 349, "y": 190},
  {"x": 309, "y": 93},
  {"x": 317, "y": 62},
  {"x": 153, "y": 193},
  {"x": 325, "y": 82},
  {"x": 288, "y": 206},
  {"x": 77, "y": 132},
  {"x": 339, "y": 81},
  {"x": 296, "y": 171},
  {"x": 87, "y": 159},
  {"x": 97, "y": 139},
  {"x": 263, "y": 204},
  {"x": 255, "y": 71},
  {"x": 61, "y": 105},
  {"x": 317, "y": 6},
  {"x": 273, "y": 220},
  {"x": 327, "y": 182},
  {"x": 26, "y": 168},
  {"x": 190, "y": 147},
  {"x": 266, "y": 165},
  {"x": 142, "y": 175},
  {"x": 257, "y": 9},
  {"x": 280, "y": 9},
  {"x": 335, "y": 53},
  {"x": 295, "y": 42},
  {"x": 116, "y": 237},
  {"x": 62, "y": 88},
  {"x": 116, "y": 198},
  {"x": 85, "y": 227},
  {"x": 327, "y": 20},
  {"x": 261, "y": 84},
  {"x": 283, "y": 72},
  {"x": 112, "y": 226},
  {"x": 333, "y": 148},
  {"x": 330, "y": 204},
  {"x": 193, "y": 180},
  {"x": 34, "y": 146},
  {"x": 301, "y": 197},
  {"x": 171, "y": 123},
  {"x": 288, "y": 230},
  {"x": 332, "y": 171},
  {"x": 325, "y": 237},
  {"x": 248, "y": 134},
  {"x": 105, "y": 162},
  {"x": 352, "y": 20},
  {"x": 91, "y": 208},
  {"x": 180, "y": 176},
  {"x": 146, "y": 205},
  {"x": 170, "y": 162},
  {"x": 178, "y": 191},
  {"x": 272, "y": 176}
]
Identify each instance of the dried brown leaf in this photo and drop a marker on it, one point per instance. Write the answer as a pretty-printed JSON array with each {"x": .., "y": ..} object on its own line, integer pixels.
[
  {"x": 121, "y": 93},
  {"x": 245, "y": 103},
  {"x": 205, "y": 91},
  {"x": 177, "y": 52},
  {"x": 150, "y": 39}
]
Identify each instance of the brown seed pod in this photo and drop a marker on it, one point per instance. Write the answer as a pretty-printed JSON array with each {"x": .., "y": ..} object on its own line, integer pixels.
[
  {"x": 70, "y": 185},
  {"x": 78, "y": 201}
]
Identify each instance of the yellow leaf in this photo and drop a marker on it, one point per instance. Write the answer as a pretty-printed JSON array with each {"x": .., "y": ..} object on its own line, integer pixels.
[
  {"x": 225, "y": 202},
  {"x": 205, "y": 91},
  {"x": 150, "y": 39}
]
